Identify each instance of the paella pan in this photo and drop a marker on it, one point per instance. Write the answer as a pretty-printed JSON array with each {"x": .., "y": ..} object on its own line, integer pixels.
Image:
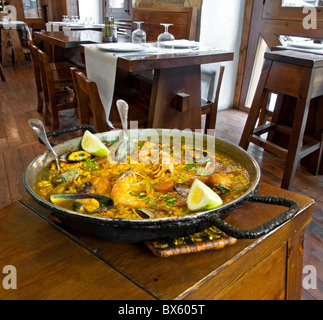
[{"x": 154, "y": 195}]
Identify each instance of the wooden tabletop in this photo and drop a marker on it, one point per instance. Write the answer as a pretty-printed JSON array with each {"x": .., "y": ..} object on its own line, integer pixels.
[
  {"x": 55, "y": 262},
  {"x": 138, "y": 61},
  {"x": 70, "y": 39}
]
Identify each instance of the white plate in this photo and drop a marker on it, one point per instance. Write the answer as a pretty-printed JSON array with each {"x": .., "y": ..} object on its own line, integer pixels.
[
  {"x": 310, "y": 45},
  {"x": 180, "y": 44},
  {"x": 120, "y": 47}
]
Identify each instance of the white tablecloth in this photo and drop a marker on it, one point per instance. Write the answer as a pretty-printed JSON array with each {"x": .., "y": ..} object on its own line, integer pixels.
[{"x": 101, "y": 68}]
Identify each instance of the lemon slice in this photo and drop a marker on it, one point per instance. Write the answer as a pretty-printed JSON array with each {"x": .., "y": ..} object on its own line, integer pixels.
[
  {"x": 201, "y": 197},
  {"x": 93, "y": 145}
]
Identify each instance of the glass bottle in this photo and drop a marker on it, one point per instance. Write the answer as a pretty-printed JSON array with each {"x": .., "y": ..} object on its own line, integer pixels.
[{"x": 108, "y": 29}]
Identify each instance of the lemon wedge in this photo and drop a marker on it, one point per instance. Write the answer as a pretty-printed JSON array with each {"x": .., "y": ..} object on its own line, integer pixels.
[
  {"x": 93, "y": 145},
  {"x": 201, "y": 197}
]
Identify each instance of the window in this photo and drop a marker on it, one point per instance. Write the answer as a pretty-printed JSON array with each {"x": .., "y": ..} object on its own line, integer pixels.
[
  {"x": 118, "y": 8},
  {"x": 32, "y": 9}
]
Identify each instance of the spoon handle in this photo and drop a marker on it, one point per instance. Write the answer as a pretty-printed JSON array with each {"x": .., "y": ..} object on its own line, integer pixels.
[
  {"x": 38, "y": 127},
  {"x": 123, "y": 108}
]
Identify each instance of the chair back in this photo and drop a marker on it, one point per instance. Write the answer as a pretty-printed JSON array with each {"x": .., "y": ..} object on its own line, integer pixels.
[
  {"x": 184, "y": 21},
  {"x": 47, "y": 77},
  {"x": 35, "y": 61},
  {"x": 88, "y": 101}
]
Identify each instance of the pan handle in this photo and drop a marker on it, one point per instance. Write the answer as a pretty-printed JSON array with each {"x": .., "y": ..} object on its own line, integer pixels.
[
  {"x": 267, "y": 226},
  {"x": 55, "y": 133}
]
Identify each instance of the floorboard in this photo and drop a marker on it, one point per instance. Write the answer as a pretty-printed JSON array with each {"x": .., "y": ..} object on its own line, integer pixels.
[{"x": 19, "y": 145}]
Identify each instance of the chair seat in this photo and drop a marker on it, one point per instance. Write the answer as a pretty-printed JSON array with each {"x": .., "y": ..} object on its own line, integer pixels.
[{"x": 62, "y": 74}]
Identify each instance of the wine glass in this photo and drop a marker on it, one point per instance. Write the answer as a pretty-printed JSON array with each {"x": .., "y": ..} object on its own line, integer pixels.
[
  {"x": 65, "y": 19},
  {"x": 165, "y": 36},
  {"x": 138, "y": 35}
]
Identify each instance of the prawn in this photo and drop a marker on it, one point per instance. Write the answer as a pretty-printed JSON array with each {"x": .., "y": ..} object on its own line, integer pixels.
[{"x": 129, "y": 190}]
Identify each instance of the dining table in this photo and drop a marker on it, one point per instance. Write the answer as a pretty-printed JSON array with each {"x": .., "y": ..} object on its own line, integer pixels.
[
  {"x": 40, "y": 258},
  {"x": 171, "y": 81}
]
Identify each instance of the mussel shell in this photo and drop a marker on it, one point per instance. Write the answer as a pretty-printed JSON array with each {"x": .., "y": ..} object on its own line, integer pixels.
[
  {"x": 76, "y": 156},
  {"x": 67, "y": 176},
  {"x": 105, "y": 202},
  {"x": 145, "y": 213}
]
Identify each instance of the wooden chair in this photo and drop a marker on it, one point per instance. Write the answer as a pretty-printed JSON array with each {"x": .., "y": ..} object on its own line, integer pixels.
[
  {"x": 209, "y": 107},
  {"x": 90, "y": 105},
  {"x": 56, "y": 99},
  {"x": 61, "y": 73},
  {"x": 184, "y": 21}
]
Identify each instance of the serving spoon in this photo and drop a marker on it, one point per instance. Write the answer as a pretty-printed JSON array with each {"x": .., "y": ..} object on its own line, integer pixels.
[
  {"x": 121, "y": 148},
  {"x": 39, "y": 128}
]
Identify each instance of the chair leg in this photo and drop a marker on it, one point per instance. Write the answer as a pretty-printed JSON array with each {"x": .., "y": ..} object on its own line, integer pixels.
[
  {"x": 55, "y": 120},
  {"x": 40, "y": 105},
  {"x": 257, "y": 104},
  {"x": 210, "y": 121},
  {"x": 296, "y": 142},
  {"x": 2, "y": 75}
]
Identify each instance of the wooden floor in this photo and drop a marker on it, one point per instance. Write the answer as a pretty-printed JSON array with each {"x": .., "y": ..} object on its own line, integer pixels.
[{"x": 19, "y": 146}]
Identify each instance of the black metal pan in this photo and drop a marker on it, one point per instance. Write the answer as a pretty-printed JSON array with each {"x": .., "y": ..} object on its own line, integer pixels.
[{"x": 133, "y": 230}]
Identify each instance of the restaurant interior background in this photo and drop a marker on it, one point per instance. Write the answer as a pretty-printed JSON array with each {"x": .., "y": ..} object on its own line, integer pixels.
[
  {"x": 219, "y": 25},
  {"x": 222, "y": 24}
]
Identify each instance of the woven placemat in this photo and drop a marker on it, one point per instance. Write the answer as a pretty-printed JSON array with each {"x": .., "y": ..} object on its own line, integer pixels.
[{"x": 209, "y": 239}]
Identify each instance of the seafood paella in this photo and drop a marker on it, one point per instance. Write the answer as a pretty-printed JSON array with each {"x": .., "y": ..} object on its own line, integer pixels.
[{"x": 157, "y": 186}]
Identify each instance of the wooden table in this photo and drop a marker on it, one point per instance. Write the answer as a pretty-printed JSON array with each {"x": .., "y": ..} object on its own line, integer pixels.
[
  {"x": 174, "y": 76},
  {"x": 54, "y": 262}
]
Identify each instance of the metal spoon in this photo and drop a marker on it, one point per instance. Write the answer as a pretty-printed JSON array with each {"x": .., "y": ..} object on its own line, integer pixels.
[
  {"x": 121, "y": 148},
  {"x": 39, "y": 128}
]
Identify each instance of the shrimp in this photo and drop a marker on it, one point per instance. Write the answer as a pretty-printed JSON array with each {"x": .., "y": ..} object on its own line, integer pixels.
[{"x": 130, "y": 190}]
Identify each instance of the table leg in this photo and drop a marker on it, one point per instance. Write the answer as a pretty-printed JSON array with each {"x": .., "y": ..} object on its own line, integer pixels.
[
  {"x": 295, "y": 266},
  {"x": 168, "y": 108}
]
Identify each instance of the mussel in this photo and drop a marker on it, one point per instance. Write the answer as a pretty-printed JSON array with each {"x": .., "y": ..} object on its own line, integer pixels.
[
  {"x": 68, "y": 176},
  {"x": 83, "y": 203},
  {"x": 144, "y": 213},
  {"x": 182, "y": 189},
  {"x": 76, "y": 156}
]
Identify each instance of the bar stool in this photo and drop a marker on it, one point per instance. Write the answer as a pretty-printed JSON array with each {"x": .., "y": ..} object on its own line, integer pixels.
[{"x": 299, "y": 75}]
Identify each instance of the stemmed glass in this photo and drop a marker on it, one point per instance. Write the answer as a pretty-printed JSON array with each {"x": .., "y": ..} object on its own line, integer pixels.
[
  {"x": 65, "y": 19},
  {"x": 165, "y": 36},
  {"x": 138, "y": 35}
]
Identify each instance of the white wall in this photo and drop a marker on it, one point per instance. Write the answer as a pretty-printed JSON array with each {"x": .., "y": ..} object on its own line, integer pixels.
[
  {"x": 221, "y": 27},
  {"x": 91, "y": 8}
]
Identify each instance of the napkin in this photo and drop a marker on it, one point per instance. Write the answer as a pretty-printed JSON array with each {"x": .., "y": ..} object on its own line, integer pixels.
[{"x": 101, "y": 68}]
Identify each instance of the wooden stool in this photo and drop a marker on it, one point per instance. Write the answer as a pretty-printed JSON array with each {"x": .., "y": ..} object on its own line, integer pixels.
[{"x": 299, "y": 75}]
